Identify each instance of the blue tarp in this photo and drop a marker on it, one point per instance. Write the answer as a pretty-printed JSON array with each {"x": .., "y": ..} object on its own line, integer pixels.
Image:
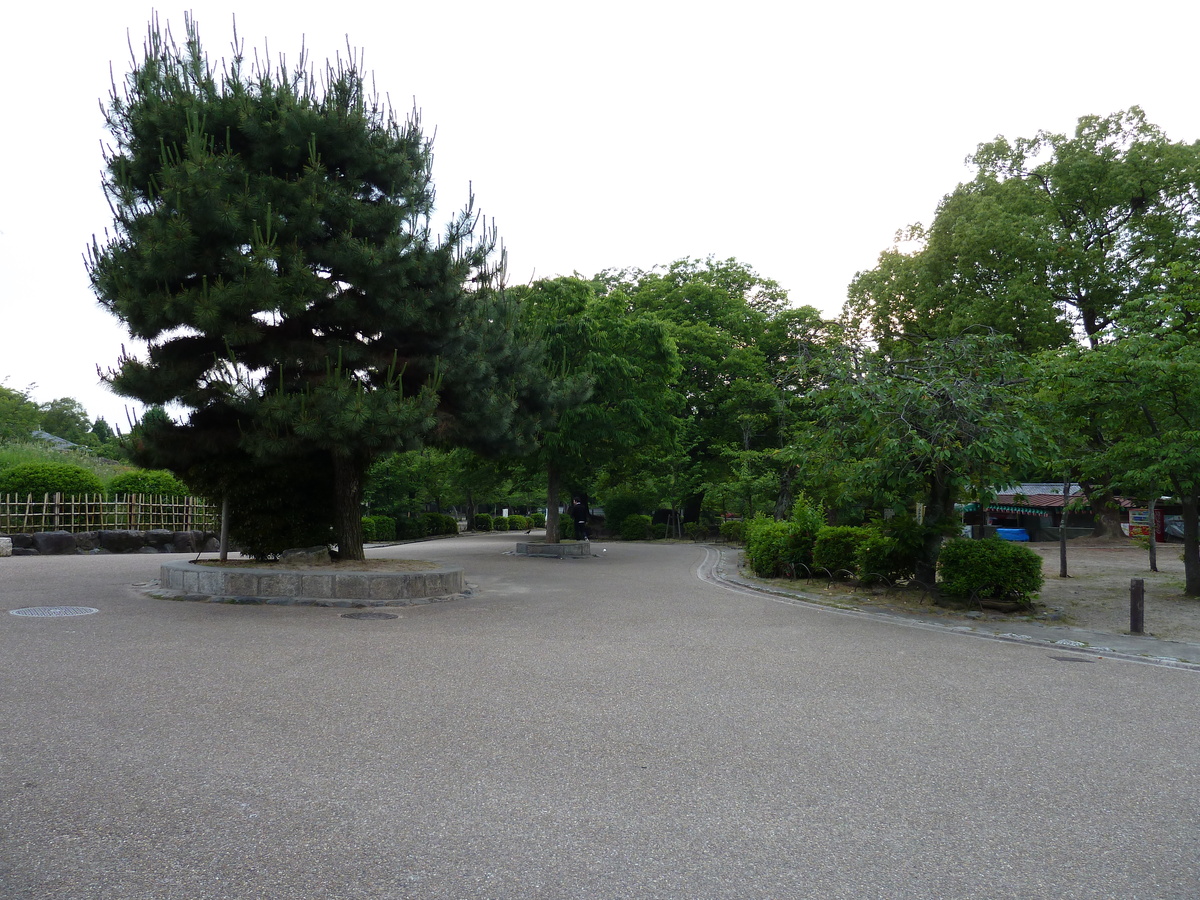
[{"x": 1012, "y": 534}]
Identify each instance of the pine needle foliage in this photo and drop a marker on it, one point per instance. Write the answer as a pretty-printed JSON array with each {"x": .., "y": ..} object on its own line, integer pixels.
[{"x": 272, "y": 248}]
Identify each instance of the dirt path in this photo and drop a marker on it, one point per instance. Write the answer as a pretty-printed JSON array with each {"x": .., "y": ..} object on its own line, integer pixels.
[{"x": 1096, "y": 595}]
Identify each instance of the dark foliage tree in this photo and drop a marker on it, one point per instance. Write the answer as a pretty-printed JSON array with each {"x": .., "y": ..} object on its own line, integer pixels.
[{"x": 273, "y": 248}]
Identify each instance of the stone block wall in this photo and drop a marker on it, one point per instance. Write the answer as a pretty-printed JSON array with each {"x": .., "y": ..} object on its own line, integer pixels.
[{"x": 62, "y": 543}]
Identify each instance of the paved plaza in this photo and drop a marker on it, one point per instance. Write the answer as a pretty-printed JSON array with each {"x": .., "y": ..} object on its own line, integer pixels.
[{"x": 625, "y": 726}]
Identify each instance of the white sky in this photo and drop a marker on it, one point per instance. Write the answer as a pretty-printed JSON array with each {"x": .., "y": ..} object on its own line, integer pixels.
[{"x": 795, "y": 137}]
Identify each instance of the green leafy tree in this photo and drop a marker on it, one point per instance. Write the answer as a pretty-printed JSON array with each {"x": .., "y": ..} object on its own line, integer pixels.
[
  {"x": 19, "y": 415},
  {"x": 1138, "y": 387},
  {"x": 1053, "y": 242},
  {"x": 719, "y": 314},
  {"x": 611, "y": 371},
  {"x": 65, "y": 418},
  {"x": 273, "y": 249},
  {"x": 930, "y": 428}
]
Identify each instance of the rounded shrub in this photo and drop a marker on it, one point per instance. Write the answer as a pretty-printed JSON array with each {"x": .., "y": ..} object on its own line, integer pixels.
[
  {"x": 734, "y": 531},
  {"x": 40, "y": 478},
  {"x": 880, "y": 557},
  {"x": 517, "y": 522},
  {"x": 379, "y": 528},
  {"x": 990, "y": 568},
  {"x": 566, "y": 528},
  {"x": 483, "y": 522},
  {"x": 148, "y": 481},
  {"x": 500, "y": 523},
  {"x": 635, "y": 527},
  {"x": 410, "y": 528},
  {"x": 538, "y": 519},
  {"x": 658, "y": 531},
  {"x": 836, "y": 548},
  {"x": 439, "y": 523}
]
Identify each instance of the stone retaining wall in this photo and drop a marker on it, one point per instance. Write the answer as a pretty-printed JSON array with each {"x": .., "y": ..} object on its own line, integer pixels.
[{"x": 60, "y": 543}]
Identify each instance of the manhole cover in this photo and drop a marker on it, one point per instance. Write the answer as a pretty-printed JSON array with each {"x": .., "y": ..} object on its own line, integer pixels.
[
  {"x": 49, "y": 612},
  {"x": 368, "y": 615}
]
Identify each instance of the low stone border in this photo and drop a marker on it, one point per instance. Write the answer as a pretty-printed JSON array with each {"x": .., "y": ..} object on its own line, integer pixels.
[
  {"x": 186, "y": 580},
  {"x": 573, "y": 550}
]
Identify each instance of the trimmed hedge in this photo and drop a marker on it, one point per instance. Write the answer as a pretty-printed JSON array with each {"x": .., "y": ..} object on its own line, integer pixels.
[
  {"x": 40, "y": 478},
  {"x": 148, "y": 481},
  {"x": 635, "y": 527},
  {"x": 410, "y": 529},
  {"x": 500, "y": 523},
  {"x": 836, "y": 547},
  {"x": 881, "y": 557},
  {"x": 483, "y": 522},
  {"x": 990, "y": 568},
  {"x": 379, "y": 528},
  {"x": 439, "y": 523},
  {"x": 734, "y": 530},
  {"x": 538, "y": 519}
]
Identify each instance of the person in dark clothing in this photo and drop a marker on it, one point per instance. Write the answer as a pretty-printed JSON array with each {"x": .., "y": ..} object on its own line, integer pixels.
[{"x": 579, "y": 515}]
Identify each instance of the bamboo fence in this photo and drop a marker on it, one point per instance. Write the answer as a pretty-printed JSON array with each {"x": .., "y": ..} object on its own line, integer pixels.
[{"x": 97, "y": 512}]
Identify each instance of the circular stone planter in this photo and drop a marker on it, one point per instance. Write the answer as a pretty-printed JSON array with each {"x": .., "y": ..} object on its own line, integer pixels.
[{"x": 341, "y": 587}]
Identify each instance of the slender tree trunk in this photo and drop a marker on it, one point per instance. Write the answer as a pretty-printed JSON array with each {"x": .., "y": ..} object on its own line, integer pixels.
[
  {"x": 347, "y": 504},
  {"x": 1062, "y": 531},
  {"x": 938, "y": 511},
  {"x": 1153, "y": 534},
  {"x": 784, "y": 499},
  {"x": 552, "y": 489},
  {"x": 1191, "y": 544}
]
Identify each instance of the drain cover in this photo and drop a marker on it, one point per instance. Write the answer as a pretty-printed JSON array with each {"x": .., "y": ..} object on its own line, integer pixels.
[
  {"x": 369, "y": 615},
  {"x": 1071, "y": 659},
  {"x": 50, "y": 612}
]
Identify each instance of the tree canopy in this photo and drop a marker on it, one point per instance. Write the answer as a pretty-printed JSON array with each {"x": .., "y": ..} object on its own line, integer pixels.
[{"x": 273, "y": 248}]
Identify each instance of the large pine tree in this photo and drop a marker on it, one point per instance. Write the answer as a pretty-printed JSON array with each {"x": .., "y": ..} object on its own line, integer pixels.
[{"x": 273, "y": 249}]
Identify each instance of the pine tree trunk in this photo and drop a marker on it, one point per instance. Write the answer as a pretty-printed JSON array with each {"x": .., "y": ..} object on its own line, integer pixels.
[{"x": 347, "y": 506}]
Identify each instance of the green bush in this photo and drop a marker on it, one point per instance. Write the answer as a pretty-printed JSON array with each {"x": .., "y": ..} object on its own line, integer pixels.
[
  {"x": 777, "y": 548},
  {"x": 410, "y": 528},
  {"x": 538, "y": 519},
  {"x": 40, "y": 478},
  {"x": 439, "y": 523},
  {"x": 517, "y": 522},
  {"x": 890, "y": 551},
  {"x": 500, "y": 523},
  {"x": 696, "y": 531},
  {"x": 658, "y": 531},
  {"x": 566, "y": 528},
  {"x": 379, "y": 528},
  {"x": 836, "y": 548},
  {"x": 635, "y": 527},
  {"x": 765, "y": 539},
  {"x": 620, "y": 504},
  {"x": 882, "y": 558},
  {"x": 483, "y": 522},
  {"x": 989, "y": 568},
  {"x": 148, "y": 481},
  {"x": 734, "y": 531}
]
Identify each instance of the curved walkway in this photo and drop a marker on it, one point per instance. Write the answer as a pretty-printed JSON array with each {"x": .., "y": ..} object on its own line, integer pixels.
[{"x": 610, "y": 727}]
